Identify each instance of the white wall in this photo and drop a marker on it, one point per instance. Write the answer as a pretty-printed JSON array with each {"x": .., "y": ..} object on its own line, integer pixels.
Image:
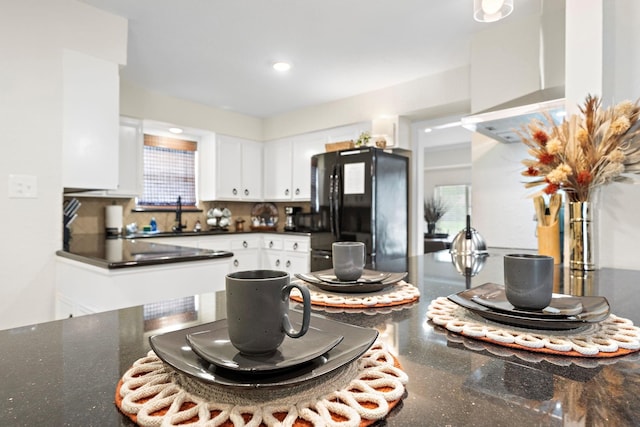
[
  {"x": 619, "y": 204},
  {"x": 502, "y": 209},
  {"x": 32, "y": 36},
  {"x": 144, "y": 104},
  {"x": 431, "y": 92},
  {"x": 447, "y": 165}
]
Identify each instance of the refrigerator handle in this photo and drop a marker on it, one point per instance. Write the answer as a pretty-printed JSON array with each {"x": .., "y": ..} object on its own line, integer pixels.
[
  {"x": 331, "y": 201},
  {"x": 337, "y": 191}
]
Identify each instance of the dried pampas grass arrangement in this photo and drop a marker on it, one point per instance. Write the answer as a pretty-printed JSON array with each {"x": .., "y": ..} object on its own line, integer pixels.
[{"x": 585, "y": 151}]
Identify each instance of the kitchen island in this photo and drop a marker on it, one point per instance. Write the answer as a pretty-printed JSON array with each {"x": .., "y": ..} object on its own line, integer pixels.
[
  {"x": 65, "y": 372},
  {"x": 97, "y": 273}
]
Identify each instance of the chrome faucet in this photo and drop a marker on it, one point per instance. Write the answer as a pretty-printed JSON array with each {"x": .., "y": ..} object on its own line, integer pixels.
[{"x": 179, "y": 226}]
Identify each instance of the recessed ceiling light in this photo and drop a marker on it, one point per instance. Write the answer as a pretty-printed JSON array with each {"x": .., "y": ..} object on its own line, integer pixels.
[
  {"x": 281, "y": 66},
  {"x": 175, "y": 130}
]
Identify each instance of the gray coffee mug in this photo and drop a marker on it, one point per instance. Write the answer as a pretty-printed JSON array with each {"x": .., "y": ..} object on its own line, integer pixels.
[
  {"x": 528, "y": 280},
  {"x": 258, "y": 310},
  {"x": 348, "y": 260}
]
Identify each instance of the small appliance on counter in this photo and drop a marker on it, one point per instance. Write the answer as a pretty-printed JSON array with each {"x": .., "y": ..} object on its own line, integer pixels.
[{"x": 290, "y": 217}]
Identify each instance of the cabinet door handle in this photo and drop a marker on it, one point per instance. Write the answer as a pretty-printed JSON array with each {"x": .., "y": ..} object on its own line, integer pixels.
[
  {"x": 286, "y": 192},
  {"x": 235, "y": 191},
  {"x": 297, "y": 191},
  {"x": 236, "y": 263},
  {"x": 245, "y": 244},
  {"x": 288, "y": 264},
  {"x": 246, "y": 191},
  {"x": 295, "y": 246},
  {"x": 277, "y": 263},
  {"x": 271, "y": 244}
]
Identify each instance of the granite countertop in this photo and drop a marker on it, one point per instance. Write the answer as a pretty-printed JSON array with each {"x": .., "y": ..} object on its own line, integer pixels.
[
  {"x": 152, "y": 234},
  {"x": 65, "y": 372},
  {"x": 113, "y": 253}
]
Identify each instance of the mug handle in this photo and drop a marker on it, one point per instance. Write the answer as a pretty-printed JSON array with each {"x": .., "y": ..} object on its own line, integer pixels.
[{"x": 306, "y": 312}]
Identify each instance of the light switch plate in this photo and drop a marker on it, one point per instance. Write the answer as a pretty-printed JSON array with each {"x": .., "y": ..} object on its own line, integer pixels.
[{"x": 23, "y": 186}]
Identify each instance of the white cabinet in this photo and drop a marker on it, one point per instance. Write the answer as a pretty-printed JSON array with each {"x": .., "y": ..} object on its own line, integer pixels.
[
  {"x": 83, "y": 288},
  {"x": 230, "y": 168},
  {"x": 277, "y": 170},
  {"x": 90, "y": 105},
  {"x": 272, "y": 254},
  {"x": 287, "y": 253},
  {"x": 245, "y": 249},
  {"x": 129, "y": 166},
  {"x": 287, "y": 167}
]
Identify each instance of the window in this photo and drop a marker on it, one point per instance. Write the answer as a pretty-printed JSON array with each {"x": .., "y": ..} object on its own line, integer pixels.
[
  {"x": 169, "y": 171},
  {"x": 457, "y": 198}
]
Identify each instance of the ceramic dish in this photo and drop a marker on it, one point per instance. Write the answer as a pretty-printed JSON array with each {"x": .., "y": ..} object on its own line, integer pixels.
[
  {"x": 368, "y": 276},
  {"x": 595, "y": 309},
  {"x": 351, "y": 287},
  {"x": 172, "y": 349},
  {"x": 494, "y": 296},
  {"x": 214, "y": 346}
]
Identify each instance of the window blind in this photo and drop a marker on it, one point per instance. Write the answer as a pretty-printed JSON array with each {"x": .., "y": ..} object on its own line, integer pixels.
[{"x": 169, "y": 171}]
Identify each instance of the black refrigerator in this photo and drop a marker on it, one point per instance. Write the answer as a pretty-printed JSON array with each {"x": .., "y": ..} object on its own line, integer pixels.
[{"x": 359, "y": 195}]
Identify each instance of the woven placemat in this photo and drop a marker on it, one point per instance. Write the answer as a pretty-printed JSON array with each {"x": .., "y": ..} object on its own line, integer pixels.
[
  {"x": 398, "y": 294},
  {"x": 530, "y": 357},
  {"x": 615, "y": 336},
  {"x": 152, "y": 393}
]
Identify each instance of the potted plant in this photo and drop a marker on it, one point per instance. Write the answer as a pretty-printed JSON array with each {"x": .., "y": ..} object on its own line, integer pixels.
[{"x": 434, "y": 209}]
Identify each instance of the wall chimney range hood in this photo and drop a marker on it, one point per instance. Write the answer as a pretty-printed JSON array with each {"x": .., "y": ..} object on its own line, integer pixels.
[
  {"x": 503, "y": 121},
  {"x": 506, "y": 95}
]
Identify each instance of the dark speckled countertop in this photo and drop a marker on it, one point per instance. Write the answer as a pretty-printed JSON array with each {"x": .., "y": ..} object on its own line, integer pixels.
[
  {"x": 64, "y": 373},
  {"x": 152, "y": 234},
  {"x": 112, "y": 253}
]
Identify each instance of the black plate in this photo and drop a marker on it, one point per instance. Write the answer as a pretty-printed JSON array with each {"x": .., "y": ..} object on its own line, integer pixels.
[
  {"x": 173, "y": 349},
  {"x": 351, "y": 287},
  {"x": 215, "y": 346},
  {"x": 595, "y": 309},
  {"x": 495, "y": 297}
]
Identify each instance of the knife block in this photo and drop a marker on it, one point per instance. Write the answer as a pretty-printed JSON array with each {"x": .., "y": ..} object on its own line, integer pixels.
[{"x": 549, "y": 241}]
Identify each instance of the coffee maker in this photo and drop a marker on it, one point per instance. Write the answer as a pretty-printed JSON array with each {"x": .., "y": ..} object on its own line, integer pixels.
[{"x": 290, "y": 217}]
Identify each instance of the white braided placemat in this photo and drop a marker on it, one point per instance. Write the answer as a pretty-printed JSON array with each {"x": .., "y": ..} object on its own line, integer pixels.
[
  {"x": 530, "y": 356},
  {"x": 400, "y": 293},
  {"x": 374, "y": 379},
  {"x": 611, "y": 337}
]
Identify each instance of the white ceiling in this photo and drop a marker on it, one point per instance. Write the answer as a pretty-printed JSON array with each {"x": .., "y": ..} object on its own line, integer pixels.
[{"x": 219, "y": 52}]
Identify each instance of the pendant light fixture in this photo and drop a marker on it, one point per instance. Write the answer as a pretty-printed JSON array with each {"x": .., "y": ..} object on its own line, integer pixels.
[{"x": 491, "y": 10}]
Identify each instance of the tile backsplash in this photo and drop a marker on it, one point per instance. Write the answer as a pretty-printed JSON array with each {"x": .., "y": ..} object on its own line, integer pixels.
[{"x": 91, "y": 215}]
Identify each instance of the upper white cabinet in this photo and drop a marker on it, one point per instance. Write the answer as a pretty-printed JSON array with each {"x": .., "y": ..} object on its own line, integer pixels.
[
  {"x": 287, "y": 167},
  {"x": 90, "y": 122},
  {"x": 230, "y": 168},
  {"x": 277, "y": 170},
  {"x": 130, "y": 166}
]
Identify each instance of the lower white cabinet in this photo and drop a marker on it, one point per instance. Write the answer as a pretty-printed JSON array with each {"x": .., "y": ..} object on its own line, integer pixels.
[
  {"x": 83, "y": 288},
  {"x": 245, "y": 249},
  {"x": 252, "y": 251},
  {"x": 287, "y": 253}
]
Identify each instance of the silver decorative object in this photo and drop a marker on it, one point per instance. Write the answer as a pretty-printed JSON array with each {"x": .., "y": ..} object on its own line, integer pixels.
[{"x": 581, "y": 236}]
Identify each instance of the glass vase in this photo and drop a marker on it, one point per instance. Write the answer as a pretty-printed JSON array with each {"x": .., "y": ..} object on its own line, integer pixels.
[{"x": 581, "y": 236}]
